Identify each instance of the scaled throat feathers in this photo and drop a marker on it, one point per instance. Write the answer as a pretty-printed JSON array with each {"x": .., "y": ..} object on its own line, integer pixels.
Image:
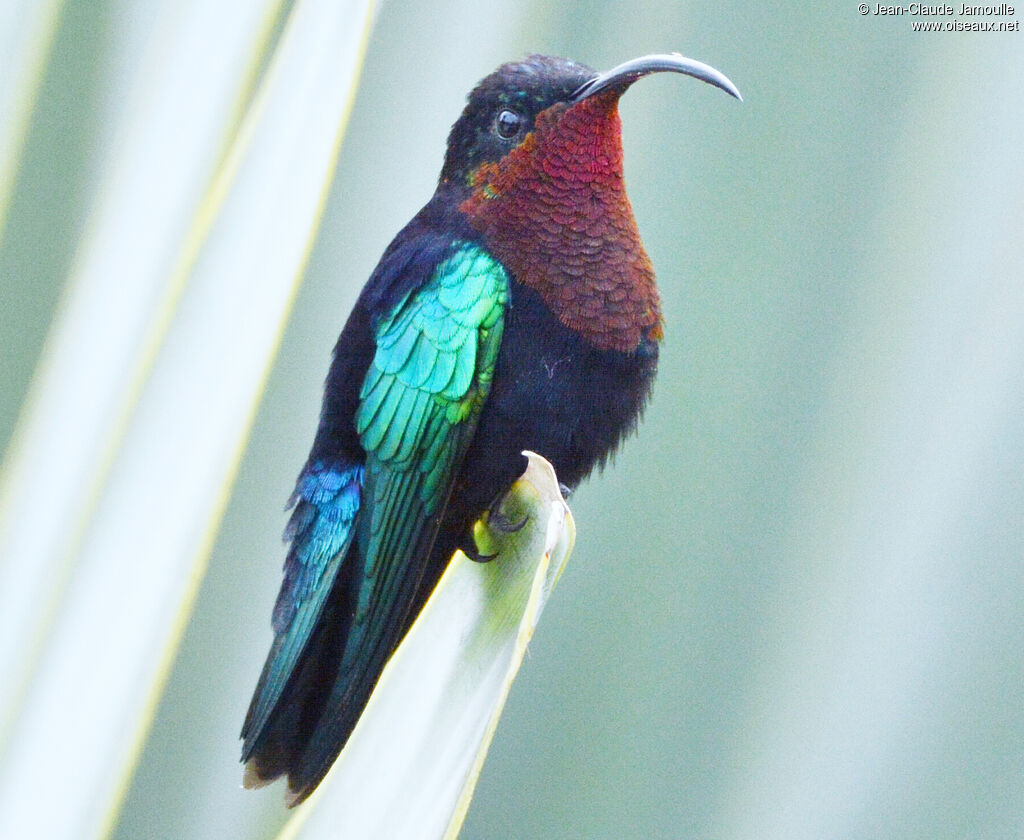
[{"x": 554, "y": 210}]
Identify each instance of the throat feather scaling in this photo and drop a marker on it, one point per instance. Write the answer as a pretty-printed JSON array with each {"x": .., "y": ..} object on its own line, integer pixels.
[{"x": 555, "y": 212}]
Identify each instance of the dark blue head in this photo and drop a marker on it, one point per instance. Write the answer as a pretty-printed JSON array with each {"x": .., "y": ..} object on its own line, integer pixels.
[{"x": 502, "y": 109}]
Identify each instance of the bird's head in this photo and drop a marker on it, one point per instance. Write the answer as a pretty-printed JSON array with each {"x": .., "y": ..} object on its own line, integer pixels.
[{"x": 544, "y": 104}]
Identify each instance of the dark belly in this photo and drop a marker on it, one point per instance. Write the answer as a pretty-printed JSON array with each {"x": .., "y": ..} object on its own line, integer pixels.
[{"x": 554, "y": 394}]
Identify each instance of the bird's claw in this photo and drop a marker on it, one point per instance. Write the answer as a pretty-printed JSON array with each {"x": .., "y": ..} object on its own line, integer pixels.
[{"x": 477, "y": 557}]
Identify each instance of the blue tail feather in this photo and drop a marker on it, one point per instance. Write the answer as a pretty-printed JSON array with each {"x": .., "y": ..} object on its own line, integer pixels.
[{"x": 326, "y": 501}]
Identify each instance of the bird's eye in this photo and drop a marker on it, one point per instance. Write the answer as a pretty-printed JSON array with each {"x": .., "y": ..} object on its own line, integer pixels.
[{"x": 507, "y": 124}]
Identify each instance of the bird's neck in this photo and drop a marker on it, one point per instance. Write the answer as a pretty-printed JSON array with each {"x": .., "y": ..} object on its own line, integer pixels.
[{"x": 555, "y": 212}]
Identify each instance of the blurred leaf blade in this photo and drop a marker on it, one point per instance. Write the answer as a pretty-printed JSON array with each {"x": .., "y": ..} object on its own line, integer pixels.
[
  {"x": 410, "y": 768},
  {"x": 165, "y": 443},
  {"x": 78, "y": 403},
  {"x": 27, "y": 32}
]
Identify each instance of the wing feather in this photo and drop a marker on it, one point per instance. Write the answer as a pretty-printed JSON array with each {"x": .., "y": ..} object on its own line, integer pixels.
[{"x": 420, "y": 403}]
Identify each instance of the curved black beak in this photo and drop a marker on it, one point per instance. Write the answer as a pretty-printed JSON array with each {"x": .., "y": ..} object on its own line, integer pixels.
[{"x": 621, "y": 77}]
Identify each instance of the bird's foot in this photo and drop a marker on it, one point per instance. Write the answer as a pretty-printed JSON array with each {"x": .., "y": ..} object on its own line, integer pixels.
[
  {"x": 565, "y": 490},
  {"x": 497, "y": 521},
  {"x": 500, "y": 522}
]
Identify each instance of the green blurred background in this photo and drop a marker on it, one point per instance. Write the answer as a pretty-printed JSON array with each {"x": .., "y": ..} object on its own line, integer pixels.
[{"x": 794, "y": 606}]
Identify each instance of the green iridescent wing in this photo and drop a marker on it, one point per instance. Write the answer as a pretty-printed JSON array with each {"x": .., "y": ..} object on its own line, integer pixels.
[{"x": 419, "y": 406}]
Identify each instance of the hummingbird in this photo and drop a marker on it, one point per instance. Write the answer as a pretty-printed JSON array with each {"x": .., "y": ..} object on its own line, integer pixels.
[{"x": 516, "y": 311}]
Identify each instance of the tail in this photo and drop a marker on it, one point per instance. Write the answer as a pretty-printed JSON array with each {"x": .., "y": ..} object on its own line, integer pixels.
[
  {"x": 312, "y": 619},
  {"x": 275, "y": 741},
  {"x": 298, "y": 730}
]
